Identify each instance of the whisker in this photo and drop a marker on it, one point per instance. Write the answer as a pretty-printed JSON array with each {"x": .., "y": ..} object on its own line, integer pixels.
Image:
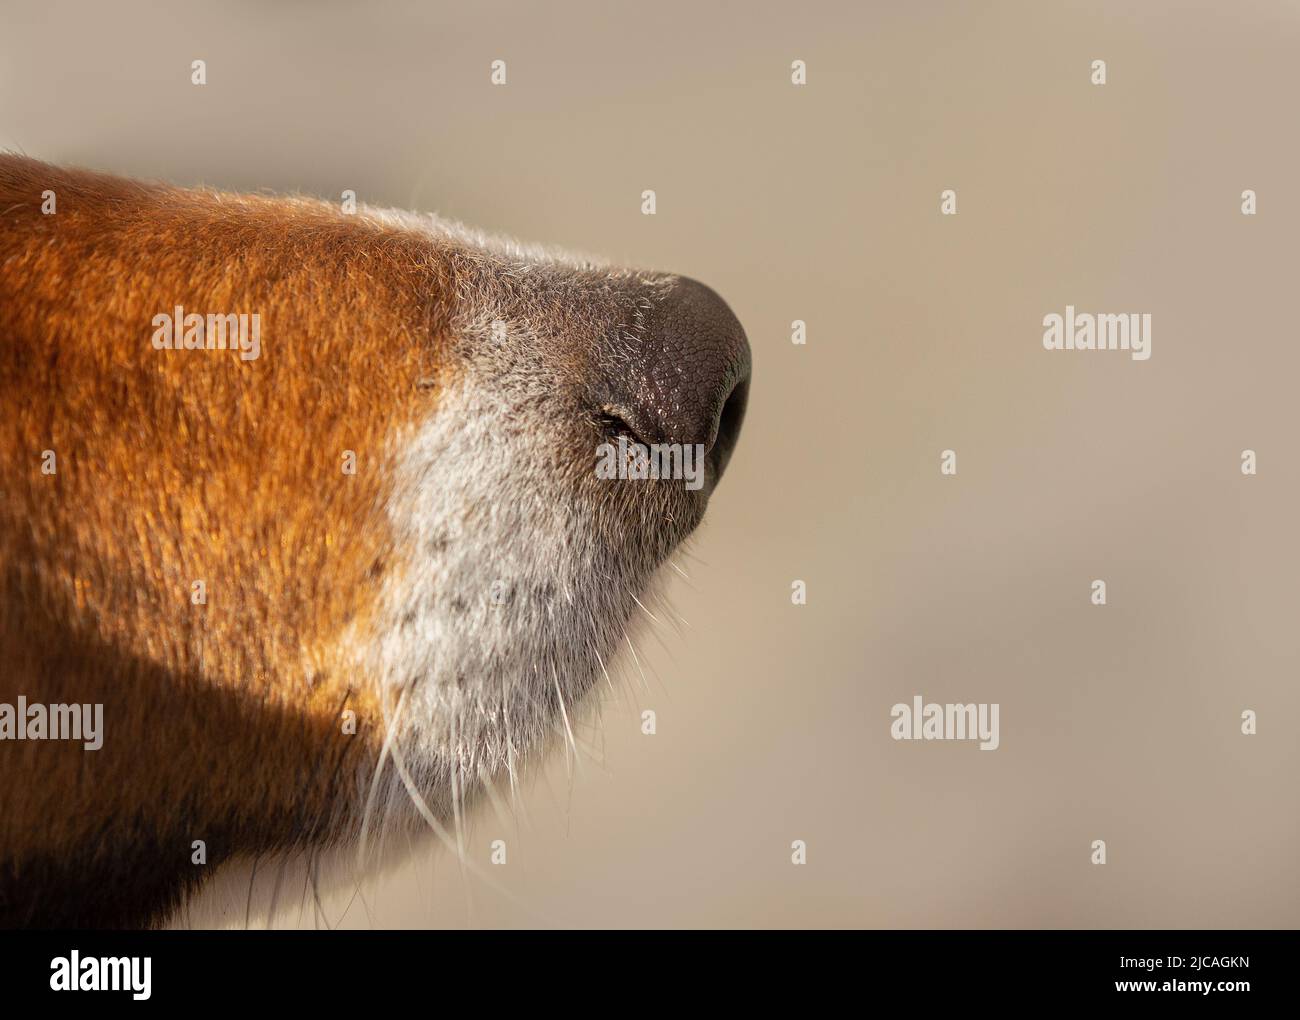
[
  {"x": 444, "y": 837},
  {"x": 457, "y": 818},
  {"x": 564, "y": 714},
  {"x": 252, "y": 879},
  {"x": 644, "y": 686},
  {"x": 315, "y": 892},
  {"x": 673, "y": 618},
  {"x": 352, "y": 900},
  {"x": 499, "y": 809},
  {"x": 643, "y": 608},
  {"x": 374, "y": 780}
]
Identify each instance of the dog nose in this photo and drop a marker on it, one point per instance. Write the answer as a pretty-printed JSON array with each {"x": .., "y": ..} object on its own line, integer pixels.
[{"x": 681, "y": 373}]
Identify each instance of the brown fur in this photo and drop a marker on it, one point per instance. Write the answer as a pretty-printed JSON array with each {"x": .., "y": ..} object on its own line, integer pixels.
[{"x": 221, "y": 721}]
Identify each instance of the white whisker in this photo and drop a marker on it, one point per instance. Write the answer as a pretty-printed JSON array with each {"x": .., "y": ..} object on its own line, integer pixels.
[
  {"x": 564, "y": 714},
  {"x": 644, "y": 686},
  {"x": 363, "y": 843},
  {"x": 644, "y": 609}
]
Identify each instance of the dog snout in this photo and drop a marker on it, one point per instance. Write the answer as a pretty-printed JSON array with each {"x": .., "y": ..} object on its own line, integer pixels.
[{"x": 682, "y": 375}]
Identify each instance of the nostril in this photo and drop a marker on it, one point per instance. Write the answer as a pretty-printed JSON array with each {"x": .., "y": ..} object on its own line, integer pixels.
[
  {"x": 614, "y": 422},
  {"x": 733, "y": 416}
]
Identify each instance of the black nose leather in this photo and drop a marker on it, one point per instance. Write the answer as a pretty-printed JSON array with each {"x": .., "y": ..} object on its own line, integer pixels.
[{"x": 682, "y": 375}]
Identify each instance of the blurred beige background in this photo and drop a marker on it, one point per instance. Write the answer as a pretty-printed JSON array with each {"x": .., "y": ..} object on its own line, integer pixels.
[{"x": 821, "y": 203}]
